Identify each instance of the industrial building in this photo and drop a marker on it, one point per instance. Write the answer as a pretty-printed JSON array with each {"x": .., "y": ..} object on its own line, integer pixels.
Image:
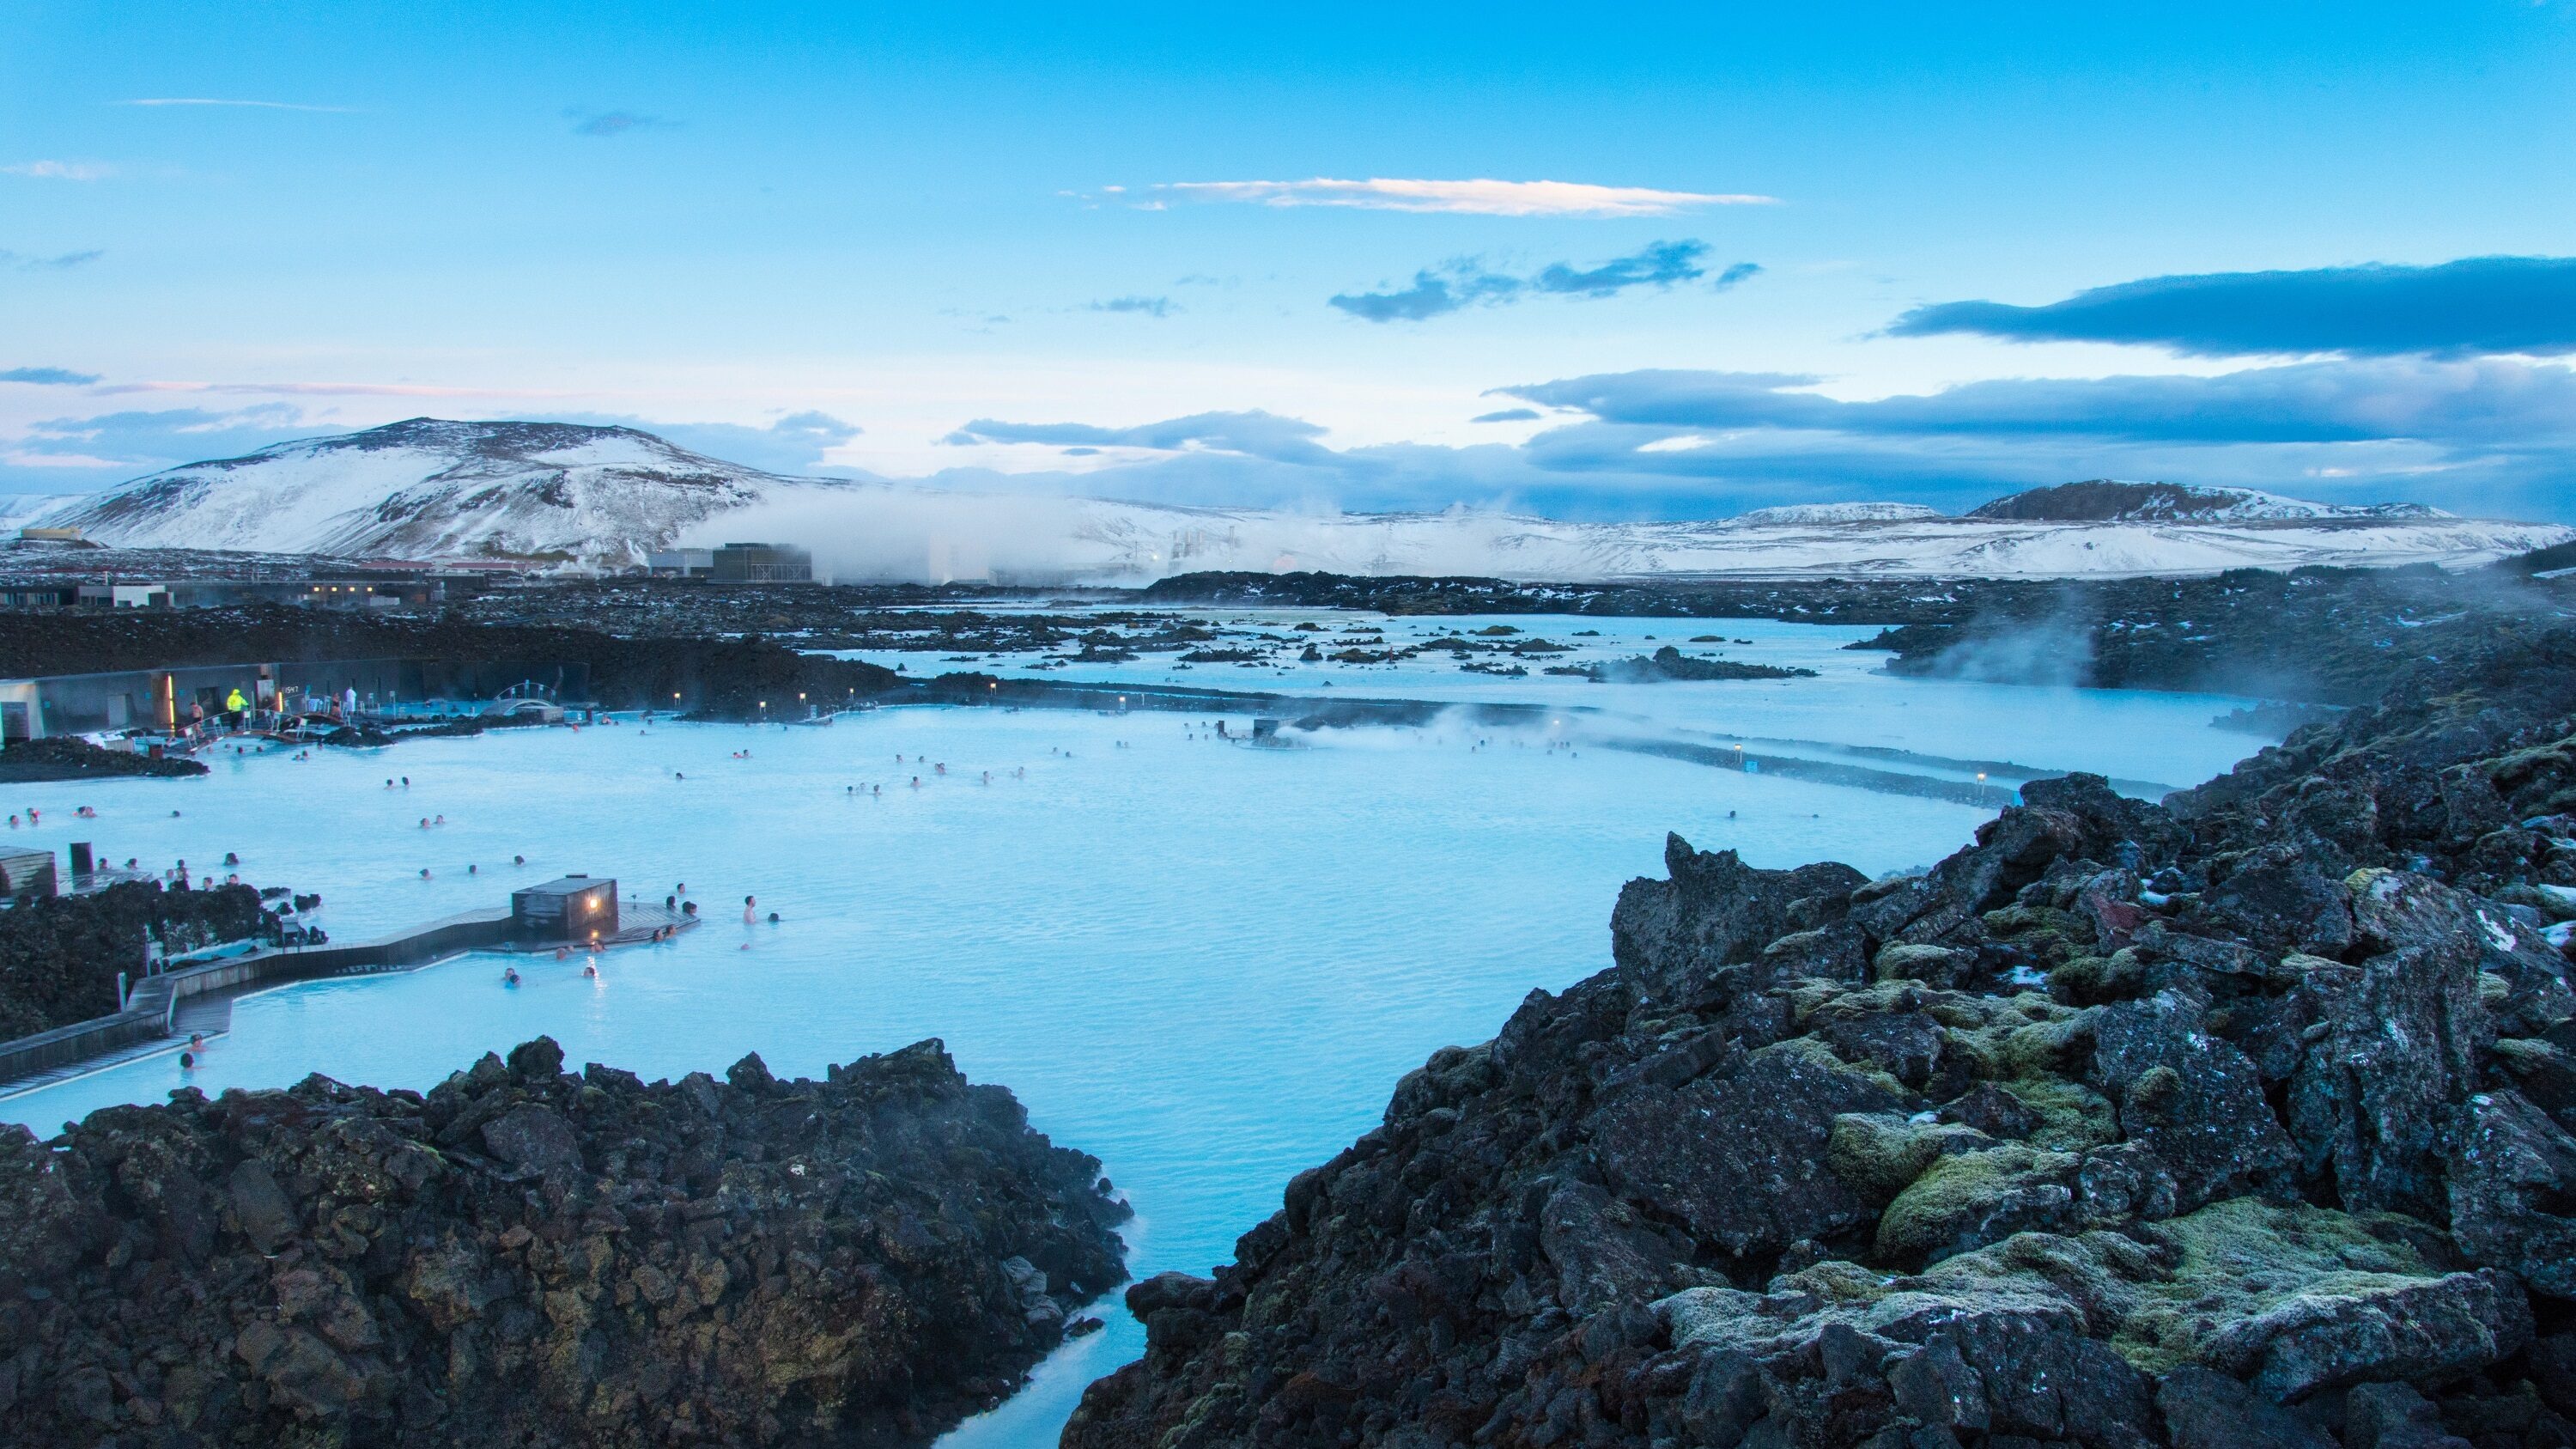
[
  {"x": 681, "y": 563},
  {"x": 763, "y": 563}
]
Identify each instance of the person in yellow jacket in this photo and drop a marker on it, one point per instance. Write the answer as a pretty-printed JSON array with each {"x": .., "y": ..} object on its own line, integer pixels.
[{"x": 234, "y": 704}]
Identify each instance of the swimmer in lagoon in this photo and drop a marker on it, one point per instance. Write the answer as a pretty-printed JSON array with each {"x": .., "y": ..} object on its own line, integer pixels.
[
  {"x": 510, "y": 976},
  {"x": 747, "y": 903}
]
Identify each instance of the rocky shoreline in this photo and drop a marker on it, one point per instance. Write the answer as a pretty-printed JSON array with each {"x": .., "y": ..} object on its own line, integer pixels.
[
  {"x": 69, "y": 757},
  {"x": 2248, "y": 1119},
  {"x": 527, "y": 1256}
]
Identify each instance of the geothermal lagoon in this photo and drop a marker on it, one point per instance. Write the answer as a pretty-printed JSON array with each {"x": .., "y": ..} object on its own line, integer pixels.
[{"x": 1205, "y": 962}]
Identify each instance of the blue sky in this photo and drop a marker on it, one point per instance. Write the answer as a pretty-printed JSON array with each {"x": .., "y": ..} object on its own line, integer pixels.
[{"x": 1792, "y": 253}]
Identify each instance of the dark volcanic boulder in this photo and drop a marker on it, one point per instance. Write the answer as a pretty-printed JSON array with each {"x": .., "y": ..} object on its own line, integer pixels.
[
  {"x": 1678, "y": 937},
  {"x": 2248, "y": 1123},
  {"x": 528, "y": 1257}
]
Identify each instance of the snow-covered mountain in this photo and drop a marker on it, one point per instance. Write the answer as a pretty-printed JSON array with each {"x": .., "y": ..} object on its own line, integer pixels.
[
  {"x": 432, "y": 489},
  {"x": 17, "y": 511},
  {"x": 429, "y": 490}
]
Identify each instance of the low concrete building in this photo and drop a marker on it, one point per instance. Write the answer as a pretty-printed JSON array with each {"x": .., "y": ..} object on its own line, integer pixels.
[
  {"x": 574, "y": 909},
  {"x": 62, "y": 704},
  {"x": 356, "y": 591}
]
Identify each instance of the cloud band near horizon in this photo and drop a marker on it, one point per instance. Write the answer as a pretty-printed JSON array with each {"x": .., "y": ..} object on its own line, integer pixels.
[{"x": 2470, "y": 306}]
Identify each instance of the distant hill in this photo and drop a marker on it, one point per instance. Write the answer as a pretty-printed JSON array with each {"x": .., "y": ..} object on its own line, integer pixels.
[
  {"x": 1795, "y": 513},
  {"x": 2105, "y": 501},
  {"x": 429, "y": 489}
]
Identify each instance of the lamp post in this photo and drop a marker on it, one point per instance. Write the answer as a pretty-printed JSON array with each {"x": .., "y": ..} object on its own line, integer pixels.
[{"x": 1981, "y": 787}]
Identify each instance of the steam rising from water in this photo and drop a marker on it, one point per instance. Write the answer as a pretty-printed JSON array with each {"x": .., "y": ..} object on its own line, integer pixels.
[
  {"x": 871, "y": 533},
  {"x": 2057, "y": 650}
]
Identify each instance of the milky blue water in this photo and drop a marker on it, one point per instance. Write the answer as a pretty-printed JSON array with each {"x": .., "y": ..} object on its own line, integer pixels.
[{"x": 1207, "y": 964}]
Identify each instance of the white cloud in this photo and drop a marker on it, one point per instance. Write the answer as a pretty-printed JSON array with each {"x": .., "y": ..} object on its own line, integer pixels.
[
  {"x": 1478, "y": 197},
  {"x": 61, "y": 170},
  {"x": 59, "y": 460},
  {"x": 249, "y": 105},
  {"x": 327, "y": 389}
]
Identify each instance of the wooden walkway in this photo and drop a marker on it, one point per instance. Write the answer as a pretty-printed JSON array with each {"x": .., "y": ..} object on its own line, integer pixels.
[{"x": 163, "y": 1011}]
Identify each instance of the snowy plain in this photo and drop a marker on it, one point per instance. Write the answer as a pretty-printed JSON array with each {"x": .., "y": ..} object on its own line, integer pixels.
[{"x": 1206, "y": 963}]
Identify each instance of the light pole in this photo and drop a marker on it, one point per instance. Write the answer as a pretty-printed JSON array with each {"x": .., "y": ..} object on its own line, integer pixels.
[{"x": 1981, "y": 787}]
